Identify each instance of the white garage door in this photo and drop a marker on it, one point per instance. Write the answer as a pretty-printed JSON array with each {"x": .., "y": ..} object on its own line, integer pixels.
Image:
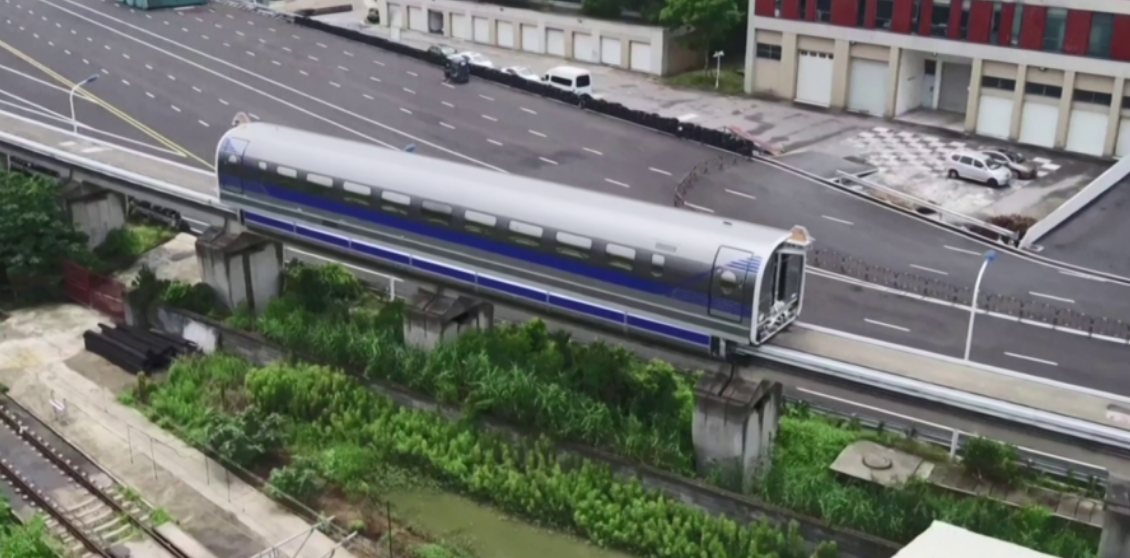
[
  {"x": 994, "y": 116},
  {"x": 610, "y": 51},
  {"x": 461, "y": 26},
  {"x": 1038, "y": 123},
  {"x": 868, "y": 87},
  {"x": 395, "y": 16},
  {"x": 583, "y": 47},
  {"x": 1122, "y": 147},
  {"x": 1086, "y": 133},
  {"x": 531, "y": 39},
  {"x": 640, "y": 56},
  {"x": 814, "y": 78},
  {"x": 505, "y": 34},
  {"x": 416, "y": 19},
  {"x": 555, "y": 42},
  {"x": 481, "y": 29}
]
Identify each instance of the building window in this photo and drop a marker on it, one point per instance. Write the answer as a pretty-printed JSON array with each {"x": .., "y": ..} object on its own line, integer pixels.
[
  {"x": 768, "y": 52},
  {"x": 916, "y": 17},
  {"x": 823, "y": 10},
  {"x": 884, "y": 12},
  {"x": 861, "y": 14},
  {"x": 1042, "y": 90},
  {"x": 940, "y": 18},
  {"x": 1055, "y": 29},
  {"x": 1126, "y": 103},
  {"x": 930, "y": 67},
  {"x": 994, "y": 33},
  {"x": 963, "y": 5},
  {"x": 1017, "y": 20},
  {"x": 1102, "y": 29},
  {"x": 1092, "y": 97},
  {"x": 1003, "y": 84}
]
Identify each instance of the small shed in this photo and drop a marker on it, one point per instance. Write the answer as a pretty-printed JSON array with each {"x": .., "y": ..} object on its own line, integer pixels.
[{"x": 943, "y": 540}]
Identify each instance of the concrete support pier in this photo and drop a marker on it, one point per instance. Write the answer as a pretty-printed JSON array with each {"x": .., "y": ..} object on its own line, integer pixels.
[
  {"x": 242, "y": 267},
  {"x": 96, "y": 212},
  {"x": 1115, "y": 541},
  {"x": 433, "y": 317},
  {"x": 735, "y": 425}
]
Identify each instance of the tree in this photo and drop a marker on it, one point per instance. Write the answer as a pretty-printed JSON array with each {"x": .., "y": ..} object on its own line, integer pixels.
[
  {"x": 36, "y": 235},
  {"x": 710, "y": 21}
]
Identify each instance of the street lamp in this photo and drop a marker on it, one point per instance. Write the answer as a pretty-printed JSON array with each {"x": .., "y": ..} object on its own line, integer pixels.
[
  {"x": 989, "y": 256},
  {"x": 718, "y": 68},
  {"x": 91, "y": 79}
]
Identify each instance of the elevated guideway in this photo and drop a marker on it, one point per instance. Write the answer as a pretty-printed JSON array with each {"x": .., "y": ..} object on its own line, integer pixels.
[{"x": 1057, "y": 410}]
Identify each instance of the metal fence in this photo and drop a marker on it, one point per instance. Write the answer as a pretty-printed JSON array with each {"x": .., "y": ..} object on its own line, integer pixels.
[{"x": 700, "y": 170}]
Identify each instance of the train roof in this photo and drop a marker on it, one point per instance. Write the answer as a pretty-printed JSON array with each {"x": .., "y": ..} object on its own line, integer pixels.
[{"x": 543, "y": 203}]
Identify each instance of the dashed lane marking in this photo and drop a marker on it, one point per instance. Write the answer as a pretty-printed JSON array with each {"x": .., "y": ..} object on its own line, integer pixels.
[
  {"x": 740, "y": 194},
  {"x": 446, "y": 125},
  {"x": 886, "y": 325},
  {"x": 593, "y": 151},
  {"x": 962, "y": 250},
  {"x": 837, "y": 220},
  {"x": 1031, "y": 359},
  {"x": 618, "y": 183},
  {"x": 405, "y": 111},
  {"x": 498, "y": 143},
  {"x": 550, "y": 161},
  {"x": 659, "y": 171},
  {"x": 524, "y": 109},
  {"x": 491, "y": 118},
  {"x": 447, "y": 104},
  {"x": 1052, "y": 297},
  {"x": 930, "y": 269},
  {"x": 536, "y": 133},
  {"x": 409, "y": 91},
  {"x": 175, "y": 108},
  {"x": 487, "y": 98}
]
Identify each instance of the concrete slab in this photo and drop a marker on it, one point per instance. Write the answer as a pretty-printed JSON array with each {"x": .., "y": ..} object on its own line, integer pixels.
[
  {"x": 1096, "y": 237},
  {"x": 826, "y": 165}
]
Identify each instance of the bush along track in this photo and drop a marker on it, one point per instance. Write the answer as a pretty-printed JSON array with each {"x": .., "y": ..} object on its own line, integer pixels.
[
  {"x": 25, "y": 540},
  {"x": 334, "y": 432}
]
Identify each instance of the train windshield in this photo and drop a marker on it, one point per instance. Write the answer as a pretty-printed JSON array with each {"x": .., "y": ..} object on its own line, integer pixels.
[{"x": 782, "y": 289}]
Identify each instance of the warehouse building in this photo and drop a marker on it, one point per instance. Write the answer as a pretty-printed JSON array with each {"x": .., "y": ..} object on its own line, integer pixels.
[{"x": 1046, "y": 73}]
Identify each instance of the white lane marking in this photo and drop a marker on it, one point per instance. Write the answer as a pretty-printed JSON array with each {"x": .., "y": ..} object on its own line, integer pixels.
[
  {"x": 126, "y": 83},
  {"x": 172, "y": 78},
  {"x": 446, "y": 125},
  {"x": 487, "y": 98},
  {"x": 335, "y": 84},
  {"x": 413, "y": 74},
  {"x": 203, "y": 123},
  {"x": 126, "y": 56},
  {"x": 837, "y": 220},
  {"x": 227, "y": 44},
  {"x": 276, "y": 62},
  {"x": 1031, "y": 359},
  {"x": 376, "y": 79},
  {"x": 148, "y": 67},
  {"x": 1048, "y": 296},
  {"x": 347, "y": 53},
  {"x": 321, "y": 45},
  {"x": 698, "y": 207},
  {"x": 196, "y": 89},
  {"x": 240, "y": 33},
  {"x": 498, "y": 143},
  {"x": 536, "y": 133},
  {"x": 447, "y": 104},
  {"x": 223, "y": 102},
  {"x": 378, "y": 62},
  {"x": 184, "y": 29},
  {"x": 175, "y": 108},
  {"x": 294, "y": 37},
  {"x": 105, "y": 71},
  {"x": 616, "y": 182},
  {"x": 253, "y": 116},
  {"x": 287, "y": 49},
  {"x": 930, "y": 269},
  {"x": 739, "y": 194},
  {"x": 107, "y": 46},
  {"x": 550, "y": 161},
  {"x": 405, "y": 111},
  {"x": 150, "y": 95},
  {"x": 884, "y": 324},
  {"x": 249, "y": 53},
  {"x": 85, "y": 61},
  {"x": 311, "y": 58},
  {"x": 593, "y": 151},
  {"x": 205, "y": 37},
  {"x": 343, "y": 68},
  {"x": 367, "y": 96},
  {"x": 409, "y": 91},
  {"x": 491, "y": 118},
  {"x": 524, "y": 109},
  {"x": 303, "y": 72},
  {"x": 659, "y": 171},
  {"x": 67, "y": 52},
  {"x": 1071, "y": 273}
]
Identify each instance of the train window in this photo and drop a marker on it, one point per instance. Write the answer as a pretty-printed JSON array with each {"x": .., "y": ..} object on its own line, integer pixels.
[
  {"x": 320, "y": 180},
  {"x": 621, "y": 257},
  {"x": 395, "y": 203},
  {"x": 356, "y": 193},
  {"x": 437, "y": 213},
  {"x": 657, "y": 263},
  {"x": 262, "y": 166},
  {"x": 522, "y": 233},
  {"x": 289, "y": 173},
  {"x": 480, "y": 223},
  {"x": 573, "y": 245},
  {"x": 728, "y": 282}
]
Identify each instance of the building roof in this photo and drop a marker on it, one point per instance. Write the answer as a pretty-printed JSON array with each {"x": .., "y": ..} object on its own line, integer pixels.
[{"x": 943, "y": 540}]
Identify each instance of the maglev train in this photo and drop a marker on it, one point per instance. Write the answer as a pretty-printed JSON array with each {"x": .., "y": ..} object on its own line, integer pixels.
[{"x": 646, "y": 270}]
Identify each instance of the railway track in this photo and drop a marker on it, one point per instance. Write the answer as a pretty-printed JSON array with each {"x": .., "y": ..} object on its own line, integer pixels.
[{"x": 93, "y": 521}]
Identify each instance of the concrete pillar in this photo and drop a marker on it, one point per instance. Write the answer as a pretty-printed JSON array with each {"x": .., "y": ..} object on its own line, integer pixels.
[
  {"x": 1065, "y": 99},
  {"x": 433, "y": 317},
  {"x": 841, "y": 73},
  {"x": 1018, "y": 102},
  {"x": 973, "y": 102},
  {"x": 96, "y": 212},
  {"x": 750, "y": 51},
  {"x": 1115, "y": 541},
  {"x": 735, "y": 426},
  {"x": 242, "y": 267},
  {"x": 894, "y": 76},
  {"x": 789, "y": 61},
  {"x": 1114, "y": 117}
]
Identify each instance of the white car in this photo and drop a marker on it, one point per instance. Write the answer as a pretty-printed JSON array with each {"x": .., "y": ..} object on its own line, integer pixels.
[
  {"x": 475, "y": 59},
  {"x": 976, "y": 166},
  {"x": 522, "y": 72}
]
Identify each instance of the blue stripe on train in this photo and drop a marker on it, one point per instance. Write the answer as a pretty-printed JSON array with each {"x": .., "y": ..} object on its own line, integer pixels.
[{"x": 485, "y": 281}]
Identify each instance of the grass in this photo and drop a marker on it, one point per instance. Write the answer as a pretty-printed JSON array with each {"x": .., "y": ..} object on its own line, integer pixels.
[
  {"x": 125, "y": 246},
  {"x": 731, "y": 82}
]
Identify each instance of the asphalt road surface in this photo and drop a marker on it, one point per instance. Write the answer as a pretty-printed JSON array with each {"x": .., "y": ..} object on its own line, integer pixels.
[{"x": 173, "y": 80}]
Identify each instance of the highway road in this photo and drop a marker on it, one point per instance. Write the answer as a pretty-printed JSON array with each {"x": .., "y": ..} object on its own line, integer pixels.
[{"x": 172, "y": 80}]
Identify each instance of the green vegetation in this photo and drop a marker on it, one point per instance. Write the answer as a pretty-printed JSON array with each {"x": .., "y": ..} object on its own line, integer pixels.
[
  {"x": 194, "y": 297},
  {"x": 334, "y": 433},
  {"x": 30, "y": 540},
  {"x": 123, "y": 247},
  {"x": 731, "y": 82}
]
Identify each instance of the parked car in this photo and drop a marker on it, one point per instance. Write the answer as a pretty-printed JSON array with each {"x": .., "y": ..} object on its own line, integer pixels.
[
  {"x": 522, "y": 72},
  {"x": 568, "y": 78},
  {"x": 440, "y": 53},
  {"x": 475, "y": 59},
  {"x": 976, "y": 166},
  {"x": 1015, "y": 162}
]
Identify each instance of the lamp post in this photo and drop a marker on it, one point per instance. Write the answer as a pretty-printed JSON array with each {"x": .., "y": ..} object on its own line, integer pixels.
[
  {"x": 91, "y": 79},
  {"x": 718, "y": 68},
  {"x": 989, "y": 256}
]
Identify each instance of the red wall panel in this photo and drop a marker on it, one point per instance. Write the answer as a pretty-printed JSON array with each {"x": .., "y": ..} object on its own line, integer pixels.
[
  {"x": 901, "y": 15},
  {"x": 1033, "y": 27},
  {"x": 1078, "y": 33},
  {"x": 870, "y": 10},
  {"x": 956, "y": 9},
  {"x": 765, "y": 8},
  {"x": 925, "y": 16},
  {"x": 1120, "y": 49},
  {"x": 1008, "y": 15},
  {"x": 790, "y": 9},
  {"x": 980, "y": 21},
  {"x": 844, "y": 12},
  {"x": 810, "y": 10}
]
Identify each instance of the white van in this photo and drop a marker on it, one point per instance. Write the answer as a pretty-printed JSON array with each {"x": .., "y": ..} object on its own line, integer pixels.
[
  {"x": 570, "y": 79},
  {"x": 974, "y": 165}
]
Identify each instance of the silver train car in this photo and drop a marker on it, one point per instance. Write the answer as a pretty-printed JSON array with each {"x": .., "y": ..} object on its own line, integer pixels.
[{"x": 661, "y": 273}]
